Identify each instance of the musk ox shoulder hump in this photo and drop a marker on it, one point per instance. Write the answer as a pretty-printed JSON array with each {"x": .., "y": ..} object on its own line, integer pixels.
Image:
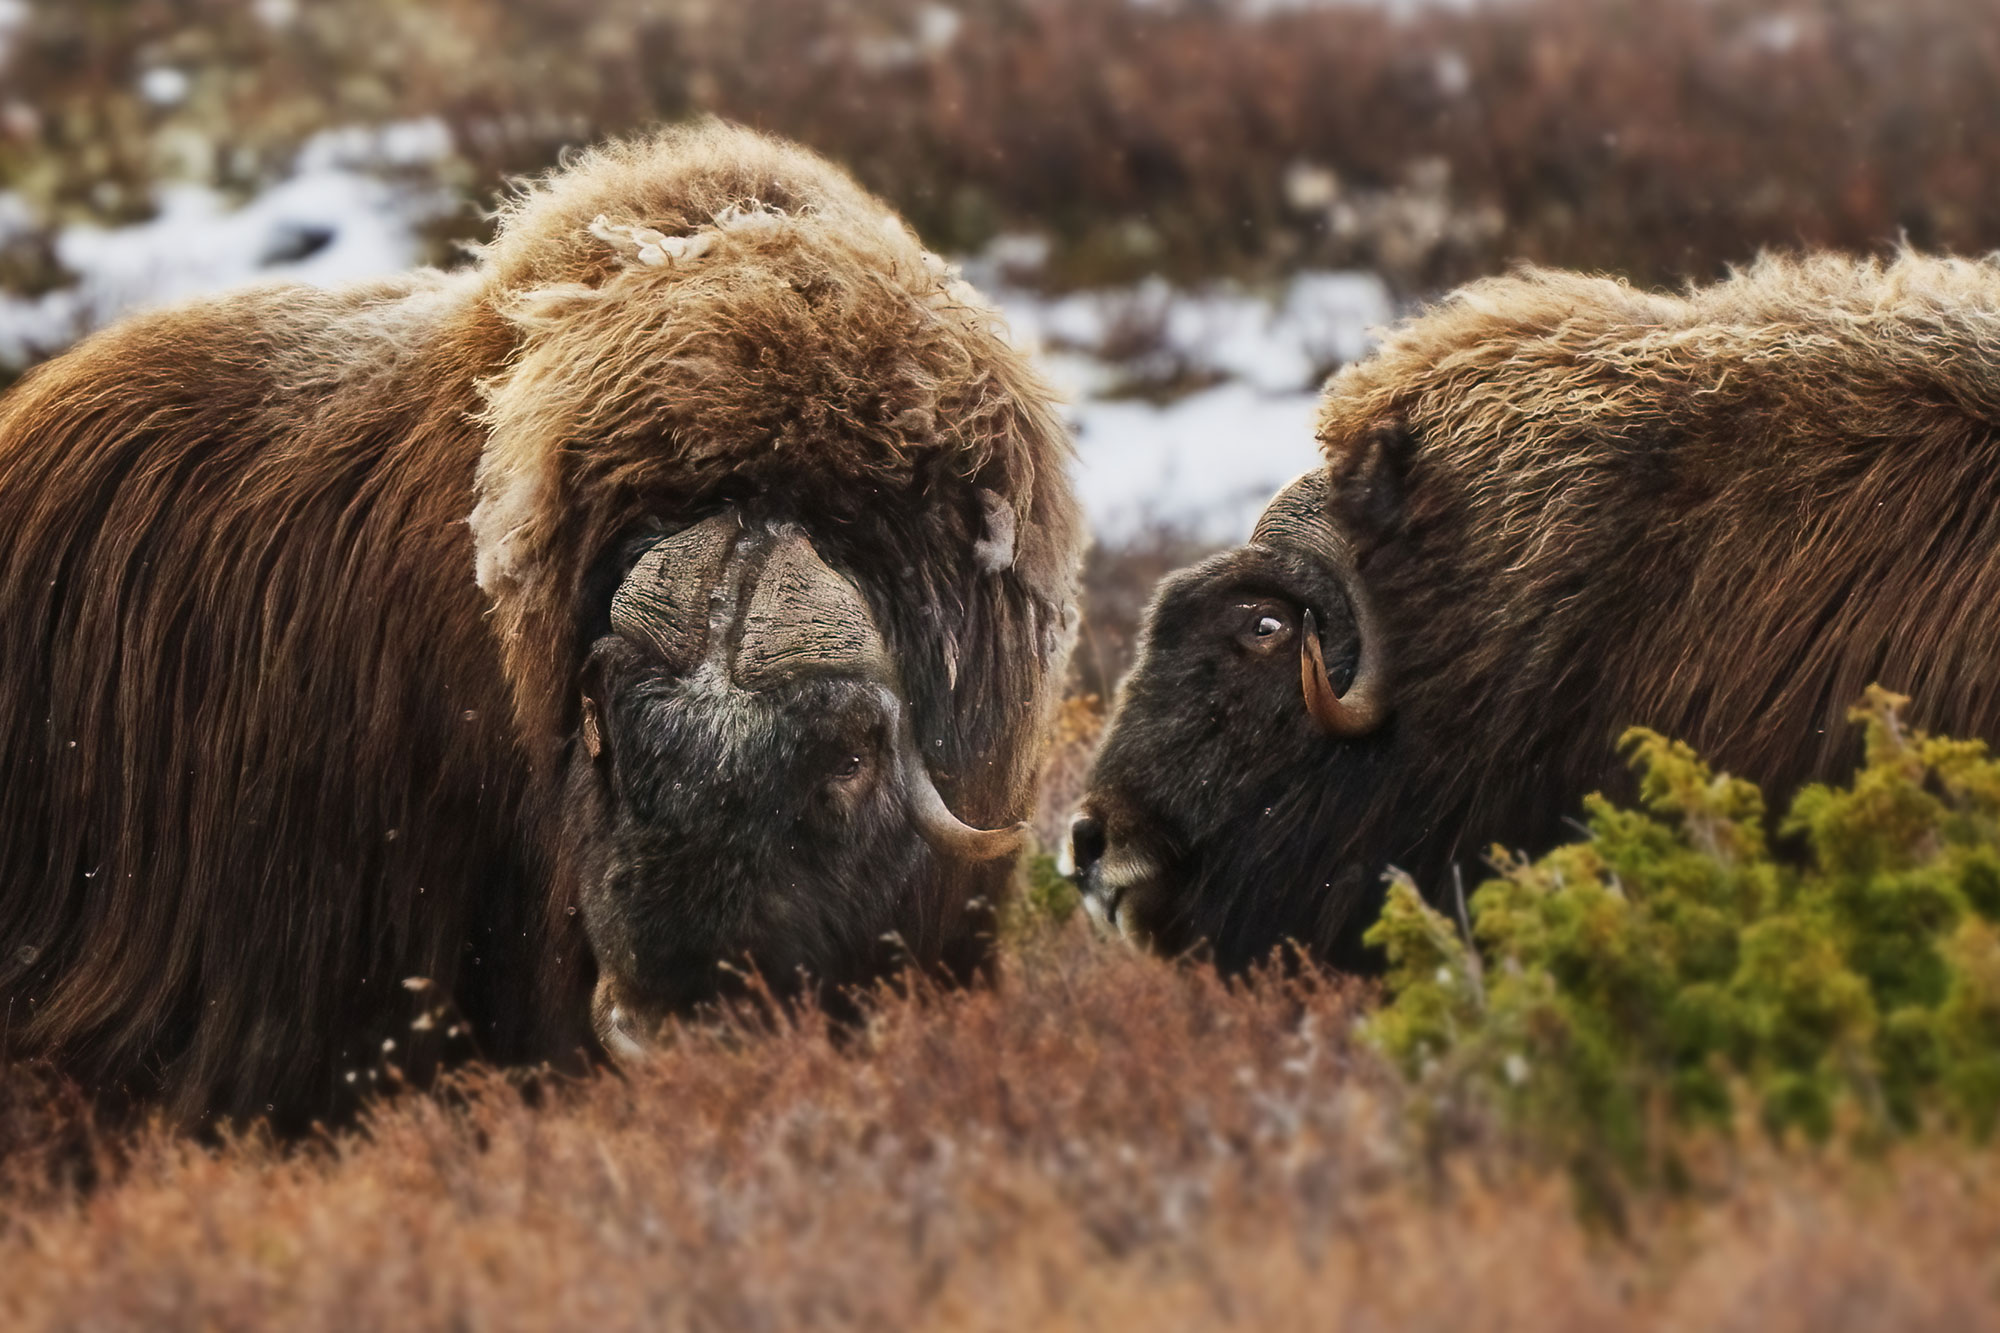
[{"x": 1822, "y": 337}]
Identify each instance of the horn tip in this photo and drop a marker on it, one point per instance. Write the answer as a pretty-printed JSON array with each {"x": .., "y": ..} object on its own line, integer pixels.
[
  {"x": 997, "y": 844},
  {"x": 1008, "y": 840}
]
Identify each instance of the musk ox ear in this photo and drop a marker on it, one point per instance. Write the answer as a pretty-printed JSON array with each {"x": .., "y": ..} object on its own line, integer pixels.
[
  {"x": 609, "y": 658},
  {"x": 1367, "y": 476}
]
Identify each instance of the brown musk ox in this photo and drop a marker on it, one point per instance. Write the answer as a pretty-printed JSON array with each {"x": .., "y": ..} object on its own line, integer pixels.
[
  {"x": 679, "y": 591},
  {"x": 1555, "y": 507}
]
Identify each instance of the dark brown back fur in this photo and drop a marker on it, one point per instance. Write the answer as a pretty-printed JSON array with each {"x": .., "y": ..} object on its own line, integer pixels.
[{"x": 242, "y": 703}]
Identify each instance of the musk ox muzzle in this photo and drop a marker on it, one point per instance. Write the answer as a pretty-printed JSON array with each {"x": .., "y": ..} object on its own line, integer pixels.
[{"x": 753, "y": 756}]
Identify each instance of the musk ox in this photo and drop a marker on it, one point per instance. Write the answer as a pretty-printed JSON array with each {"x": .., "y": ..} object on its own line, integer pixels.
[
  {"x": 678, "y": 591},
  {"x": 1555, "y": 507}
]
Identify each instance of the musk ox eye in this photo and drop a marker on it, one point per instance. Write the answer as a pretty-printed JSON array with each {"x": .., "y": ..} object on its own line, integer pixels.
[
  {"x": 847, "y": 768},
  {"x": 1263, "y": 626}
]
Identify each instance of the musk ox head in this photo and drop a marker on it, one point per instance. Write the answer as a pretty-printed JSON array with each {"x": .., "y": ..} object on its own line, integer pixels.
[
  {"x": 751, "y": 768},
  {"x": 781, "y": 557},
  {"x": 1262, "y": 682}
]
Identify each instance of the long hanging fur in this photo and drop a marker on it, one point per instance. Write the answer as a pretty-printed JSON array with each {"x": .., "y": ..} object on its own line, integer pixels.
[{"x": 294, "y": 587}]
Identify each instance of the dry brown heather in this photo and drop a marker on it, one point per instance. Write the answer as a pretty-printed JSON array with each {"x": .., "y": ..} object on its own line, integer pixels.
[{"x": 1109, "y": 1141}]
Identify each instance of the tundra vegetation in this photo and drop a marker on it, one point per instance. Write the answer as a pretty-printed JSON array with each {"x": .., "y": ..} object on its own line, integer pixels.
[
  {"x": 1759, "y": 1046},
  {"x": 1670, "y": 972},
  {"x": 1105, "y": 1137}
]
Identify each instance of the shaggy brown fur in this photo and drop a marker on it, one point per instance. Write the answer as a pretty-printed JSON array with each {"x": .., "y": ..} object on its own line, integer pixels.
[
  {"x": 1580, "y": 507},
  {"x": 267, "y": 749}
]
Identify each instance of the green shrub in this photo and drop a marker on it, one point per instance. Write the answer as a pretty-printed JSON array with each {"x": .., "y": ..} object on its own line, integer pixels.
[
  {"x": 1673, "y": 969},
  {"x": 1043, "y": 897}
]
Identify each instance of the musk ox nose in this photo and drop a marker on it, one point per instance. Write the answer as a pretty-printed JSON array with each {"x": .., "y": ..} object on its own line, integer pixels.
[{"x": 1086, "y": 845}]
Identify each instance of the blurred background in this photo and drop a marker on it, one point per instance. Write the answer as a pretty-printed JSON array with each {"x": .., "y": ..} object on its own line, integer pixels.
[{"x": 1196, "y": 208}]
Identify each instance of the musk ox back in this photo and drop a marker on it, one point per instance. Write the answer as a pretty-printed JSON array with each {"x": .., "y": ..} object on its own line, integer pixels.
[
  {"x": 678, "y": 591},
  {"x": 1553, "y": 508}
]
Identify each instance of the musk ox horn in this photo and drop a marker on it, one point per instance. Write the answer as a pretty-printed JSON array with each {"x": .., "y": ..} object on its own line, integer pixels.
[
  {"x": 804, "y": 615},
  {"x": 947, "y": 834},
  {"x": 1298, "y": 519},
  {"x": 663, "y": 603}
]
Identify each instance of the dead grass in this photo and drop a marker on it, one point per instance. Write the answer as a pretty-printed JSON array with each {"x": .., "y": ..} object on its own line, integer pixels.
[{"x": 1106, "y": 1141}]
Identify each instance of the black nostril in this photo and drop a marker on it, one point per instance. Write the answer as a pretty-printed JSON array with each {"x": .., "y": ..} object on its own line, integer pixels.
[{"x": 1086, "y": 843}]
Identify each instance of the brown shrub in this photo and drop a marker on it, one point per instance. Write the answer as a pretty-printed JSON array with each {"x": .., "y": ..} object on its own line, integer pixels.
[
  {"x": 1118, "y": 581},
  {"x": 1066, "y": 767}
]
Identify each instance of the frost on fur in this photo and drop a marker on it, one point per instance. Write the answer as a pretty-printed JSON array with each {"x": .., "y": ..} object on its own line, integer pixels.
[
  {"x": 995, "y": 551},
  {"x": 751, "y": 218},
  {"x": 655, "y": 249}
]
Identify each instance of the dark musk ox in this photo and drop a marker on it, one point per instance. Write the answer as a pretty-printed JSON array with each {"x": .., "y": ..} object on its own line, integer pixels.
[
  {"x": 679, "y": 591},
  {"x": 1555, "y": 507}
]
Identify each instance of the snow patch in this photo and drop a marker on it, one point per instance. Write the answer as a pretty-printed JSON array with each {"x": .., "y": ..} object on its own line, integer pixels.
[
  {"x": 1201, "y": 463},
  {"x": 164, "y": 86},
  {"x": 398, "y": 145},
  {"x": 332, "y": 223},
  {"x": 1205, "y": 466}
]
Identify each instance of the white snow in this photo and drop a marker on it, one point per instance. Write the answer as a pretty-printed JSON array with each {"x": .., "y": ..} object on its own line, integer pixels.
[
  {"x": 164, "y": 86},
  {"x": 1203, "y": 463},
  {"x": 400, "y": 144},
  {"x": 13, "y": 13},
  {"x": 333, "y": 222},
  {"x": 1204, "y": 466}
]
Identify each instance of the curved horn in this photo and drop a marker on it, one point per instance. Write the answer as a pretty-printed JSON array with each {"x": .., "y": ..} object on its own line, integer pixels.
[
  {"x": 944, "y": 831},
  {"x": 663, "y": 603},
  {"x": 804, "y": 615},
  {"x": 1346, "y": 717},
  {"x": 1298, "y": 519}
]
